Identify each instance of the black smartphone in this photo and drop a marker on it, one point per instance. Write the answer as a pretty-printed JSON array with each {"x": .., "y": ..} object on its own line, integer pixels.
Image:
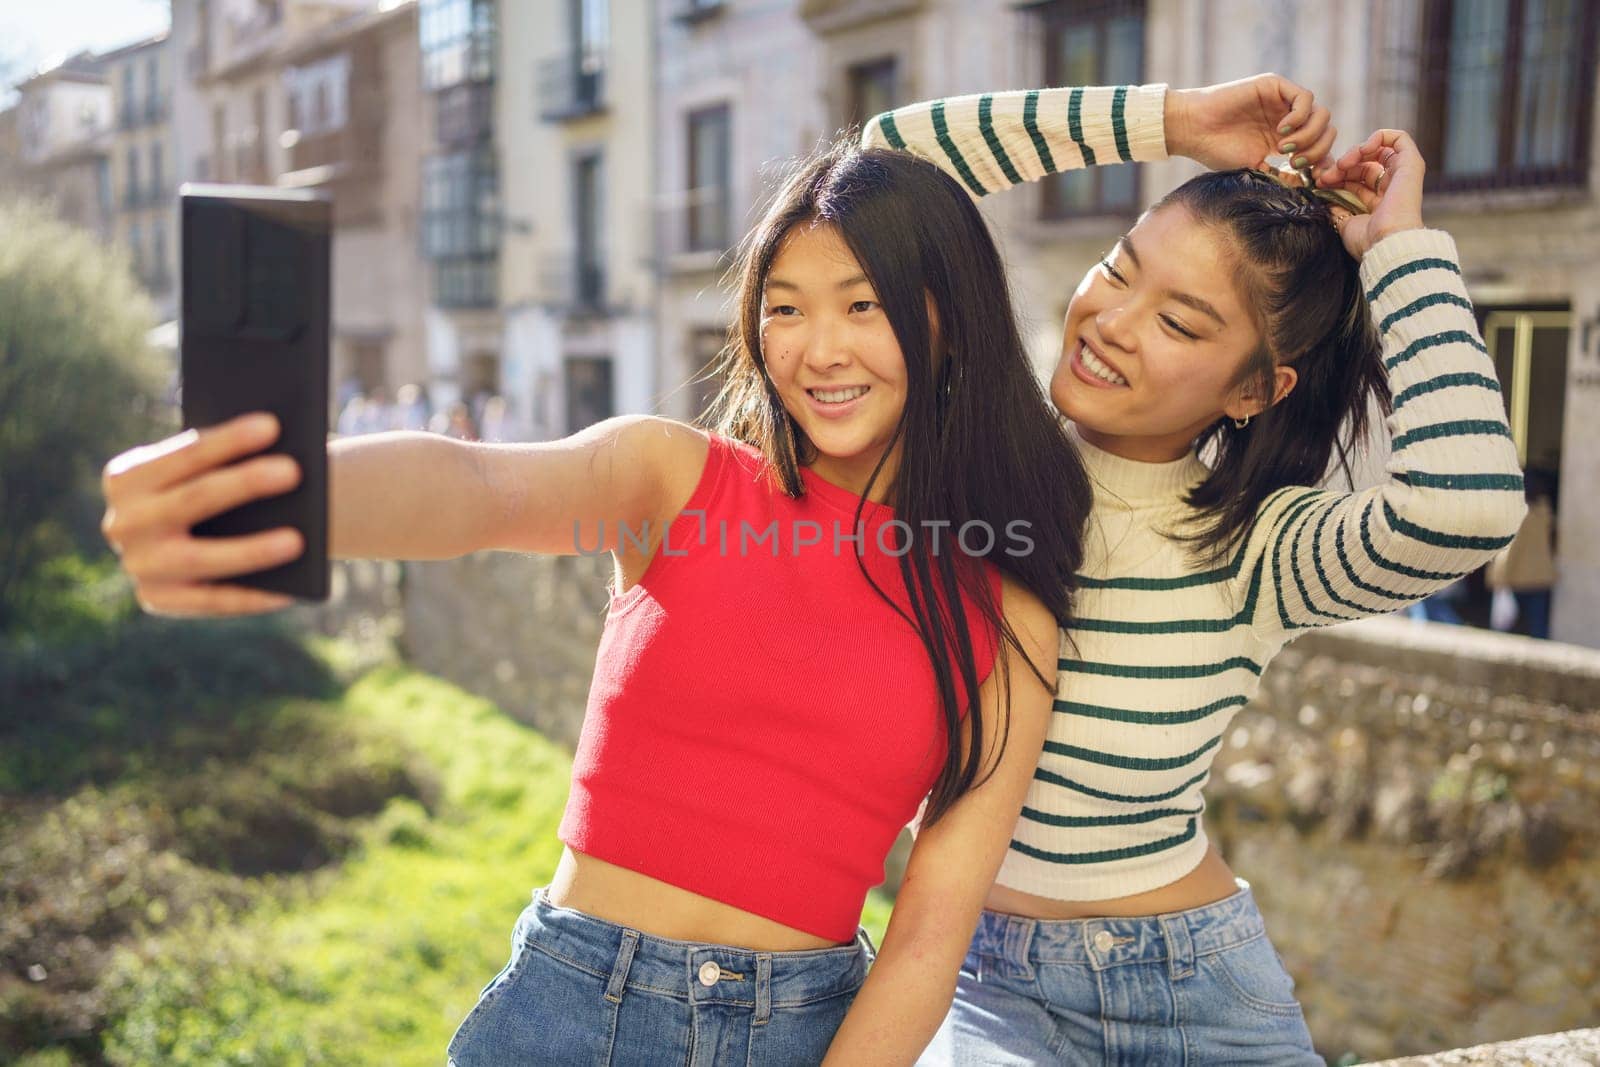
[{"x": 254, "y": 329}]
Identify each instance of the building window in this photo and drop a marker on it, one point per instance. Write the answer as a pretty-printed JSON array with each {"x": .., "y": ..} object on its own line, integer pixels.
[
  {"x": 1529, "y": 349},
  {"x": 464, "y": 114},
  {"x": 461, "y": 226},
  {"x": 460, "y": 205},
  {"x": 319, "y": 95},
  {"x": 589, "y": 33},
  {"x": 368, "y": 362},
  {"x": 589, "y": 244},
  {"x": 102, "y": 186},
  {"x": 136, "y": 248},
  {"x": 130, "y": 114},
  {"x": 219, "y": 142},
  {"x": 1508, "y": 82},
  {"x": 705, "y": 382},
  {"x": 1101, "y": 44},
  {"x": 257, "y": 149},
  {"x": 480, "y": 379},
  {"x": 158, "y": 176},
  {"x": 466, "y": 283},
  {"x": 572, "y": 84},
  {"x": 710, "y": 205},
  {"x": 872, "y": 89},
  {"x": 695, "y": 10},
  {"x": 458, "y": 42},
  {"x": 161, "y": 278},
  {"x": 588, "y": 392},
  {"x": 130, "y": 192}
]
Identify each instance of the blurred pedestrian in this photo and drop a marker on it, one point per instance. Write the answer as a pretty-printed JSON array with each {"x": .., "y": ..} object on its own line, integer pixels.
[
  {"x": 454, "y": 421},
  {"x": 376, "y": 415},
  {"x": 410, "y": 409},
  {"x": 352, "y": 417},
  {"x": 495, "y": 422},
  {"x": 1525, "y": 570}
]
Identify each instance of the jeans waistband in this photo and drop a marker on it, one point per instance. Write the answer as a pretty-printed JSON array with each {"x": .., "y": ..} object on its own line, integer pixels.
[
  {"x": 1108, "y": 942},
  {"x": 693, "y": 970}
]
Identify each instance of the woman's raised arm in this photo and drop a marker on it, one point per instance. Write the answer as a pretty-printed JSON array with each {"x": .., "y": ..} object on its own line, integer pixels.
[{"x": 993, "y": 141}]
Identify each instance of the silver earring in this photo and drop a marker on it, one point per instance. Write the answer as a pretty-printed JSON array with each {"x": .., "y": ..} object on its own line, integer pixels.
[{"x": 1240, "y": 424}]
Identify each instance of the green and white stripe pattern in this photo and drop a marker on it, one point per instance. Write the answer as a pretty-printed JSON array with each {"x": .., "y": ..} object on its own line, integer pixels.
[
  {"x": 1162, "y": 656},
  {"x": 992, "y": 141}
]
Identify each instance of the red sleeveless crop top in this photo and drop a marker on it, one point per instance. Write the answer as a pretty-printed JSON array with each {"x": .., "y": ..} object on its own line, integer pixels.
[{"x": 761, "y": 723}]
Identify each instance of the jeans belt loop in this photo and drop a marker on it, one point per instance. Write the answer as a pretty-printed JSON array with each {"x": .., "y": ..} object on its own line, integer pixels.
[
  {"x": 1180, "y": 949},
  {"x": 619, "y": 969},
  {"x": 763, "y": 988},
  {"x": 1018, "y": 944}
]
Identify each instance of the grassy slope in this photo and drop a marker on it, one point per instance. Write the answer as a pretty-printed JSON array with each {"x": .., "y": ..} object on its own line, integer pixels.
[{"x": 375, "y": 960}]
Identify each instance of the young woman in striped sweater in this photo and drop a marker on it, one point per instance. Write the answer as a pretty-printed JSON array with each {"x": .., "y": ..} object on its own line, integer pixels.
[{"x": 1207, "y": 365}]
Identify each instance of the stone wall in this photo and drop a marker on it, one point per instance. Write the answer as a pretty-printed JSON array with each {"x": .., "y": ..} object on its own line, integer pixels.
[
  {"x": 1423, "y": 842},
  {"x": 1416, "y": 807},
  {"x": 520, "y": 630},
  {"x": 1576, "y": 1048}
]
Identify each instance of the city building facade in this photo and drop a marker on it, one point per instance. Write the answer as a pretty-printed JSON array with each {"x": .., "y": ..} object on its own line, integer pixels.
[
  {"x": 317, "y": 94},
  {"x": 1500, "y": 97},
  {"x": 64, "y": 122},
  {"x": 542, "y": 201},
  {"x": 737, "y": 98},
  {"x": 143, "y": 181}
]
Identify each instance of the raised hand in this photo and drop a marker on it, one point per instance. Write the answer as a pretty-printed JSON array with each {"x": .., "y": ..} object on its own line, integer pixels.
[
  {"x": 156, "y": 493},
  {"x": 1241, "y": 123},
  {"x": 1385, "y": 172}
]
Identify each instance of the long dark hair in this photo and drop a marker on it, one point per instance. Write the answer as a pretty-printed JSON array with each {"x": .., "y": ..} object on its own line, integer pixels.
[
  {"x": 1304, "y": 290},
  {"x": 979, "y": 440}
]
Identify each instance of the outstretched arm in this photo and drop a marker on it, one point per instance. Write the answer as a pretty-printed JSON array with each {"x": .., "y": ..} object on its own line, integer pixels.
[{"x": 391, "y": 496}]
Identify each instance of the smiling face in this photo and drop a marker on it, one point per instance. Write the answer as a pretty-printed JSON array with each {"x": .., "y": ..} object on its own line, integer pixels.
[
  {"x": 833, "y": 356},
  {"x": 1156, "y": 342}
]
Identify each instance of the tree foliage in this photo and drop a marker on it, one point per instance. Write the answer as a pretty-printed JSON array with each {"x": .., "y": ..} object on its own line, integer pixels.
[{"x": 78, "y": 383}]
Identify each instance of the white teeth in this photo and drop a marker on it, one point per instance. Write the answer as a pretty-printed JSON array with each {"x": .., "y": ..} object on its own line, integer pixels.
[
  {"x": 1098, "y": 368},
  {"x": 839, "y": 396}
]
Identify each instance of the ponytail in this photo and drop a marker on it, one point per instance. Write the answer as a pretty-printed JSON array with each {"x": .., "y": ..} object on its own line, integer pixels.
[{"x": 1305, "y": 291}]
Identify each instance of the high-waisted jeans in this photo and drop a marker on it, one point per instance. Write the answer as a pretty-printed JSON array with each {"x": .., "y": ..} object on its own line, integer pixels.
[
  {"x": 1195, "y": 987},
  {"x": 580, "y": 990}
]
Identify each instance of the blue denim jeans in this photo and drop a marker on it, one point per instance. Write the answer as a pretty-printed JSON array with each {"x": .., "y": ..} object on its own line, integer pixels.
[
  {"x": 1203, "y": 986},
  {"x": 580, "y": 990}
]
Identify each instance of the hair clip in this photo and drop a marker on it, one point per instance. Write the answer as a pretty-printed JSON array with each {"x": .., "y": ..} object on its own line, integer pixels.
[{"x": 1308, "y": 184}]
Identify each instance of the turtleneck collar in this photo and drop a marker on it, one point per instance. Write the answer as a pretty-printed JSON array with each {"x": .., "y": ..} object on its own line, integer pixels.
[{"x": 1136, "y": 482}]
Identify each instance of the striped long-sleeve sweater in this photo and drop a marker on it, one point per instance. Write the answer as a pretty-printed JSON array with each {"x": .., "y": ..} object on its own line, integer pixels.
[{"x": 1163, "y": 654}]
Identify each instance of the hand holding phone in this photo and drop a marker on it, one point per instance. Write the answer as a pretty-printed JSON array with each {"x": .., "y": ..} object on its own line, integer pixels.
[
  {"x": 255, "y": 324},
  {"x": 156, "y": 494}
]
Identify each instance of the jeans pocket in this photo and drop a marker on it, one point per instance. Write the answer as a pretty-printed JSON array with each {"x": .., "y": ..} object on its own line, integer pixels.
[
  {"x": 497, "y": 985},
  {"x": 1254, "y": 974}
]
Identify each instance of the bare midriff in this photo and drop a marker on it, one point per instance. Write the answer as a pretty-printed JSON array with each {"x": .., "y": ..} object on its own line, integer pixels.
[
  {"x": 1206, "y": 884},
  {"x": 653, "y": 907}
]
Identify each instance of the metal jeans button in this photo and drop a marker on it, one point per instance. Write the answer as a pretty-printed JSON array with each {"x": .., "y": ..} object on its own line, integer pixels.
[
  {"x": 709, "y": 973},
  {"x": 1103, "y": 941}
]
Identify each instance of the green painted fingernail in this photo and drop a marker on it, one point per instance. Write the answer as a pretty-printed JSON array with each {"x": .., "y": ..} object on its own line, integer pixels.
[
  {"x": 1299, "y": 161},
  {"x": 1285, "y": 128},
  {"x": 1287, "y": 148}
]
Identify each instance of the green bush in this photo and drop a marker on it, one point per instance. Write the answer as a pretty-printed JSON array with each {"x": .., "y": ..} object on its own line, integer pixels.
[
  {"x": 219, "y": 779},
  {"x": 77, "y": 384},
  {"x": 146, "y": 694}
]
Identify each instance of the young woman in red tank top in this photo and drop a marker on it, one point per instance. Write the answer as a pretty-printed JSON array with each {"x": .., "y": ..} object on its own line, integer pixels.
[{"x": 840, "y": 604}]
